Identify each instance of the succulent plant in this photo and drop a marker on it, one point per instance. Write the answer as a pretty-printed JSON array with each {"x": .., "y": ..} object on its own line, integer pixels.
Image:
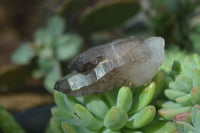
[
  {"x": 49, "y": 48},
  {"x": 117, "y": 110},
  {"x": 194, "y": 125},
  {"x": 122, "y": 109},
  {"x": 173, "y": 53},
  {"x": 183, "y": 88},
  {"x": 181, "y": 78}
]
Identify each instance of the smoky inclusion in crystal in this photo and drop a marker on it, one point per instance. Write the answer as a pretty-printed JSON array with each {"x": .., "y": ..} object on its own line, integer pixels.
[{"x": 128, "y": 62}]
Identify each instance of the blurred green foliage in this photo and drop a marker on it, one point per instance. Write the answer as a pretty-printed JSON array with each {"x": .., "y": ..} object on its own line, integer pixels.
[
  {"x": 172, "y": 19},
  {"x": 195, "y": 38},
  {"x": 106, "y": 15},
  {"x": 91, "y": 16},
  {"x": 49, "y": 48},
  {"x": 8, "y": 123}
]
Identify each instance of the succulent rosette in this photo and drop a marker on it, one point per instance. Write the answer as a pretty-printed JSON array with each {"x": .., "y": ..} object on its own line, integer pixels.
[
  {"x": 132, "y": 110},
  {"x": 183, "y": 88},
  {"x": 121, "y": 109}
]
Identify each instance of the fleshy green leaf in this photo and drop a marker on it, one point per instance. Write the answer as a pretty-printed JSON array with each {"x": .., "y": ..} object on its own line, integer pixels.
[
  {"x": 185, "y": 117},
  {"x": 197, "y": 60},
  {"x": 195, "y": 95},
  {"x": 67, "y": 128},
  {"x": 111, "y": 97},
  {"x": 115, "y": 118},
  {"x": 183, "y": 83},
  {"x": 63, "y": 101},
  {"x": 23, "y": 54},
  {"x": 173, "y": 94},
  {"x": 157, "y": 126},
  {"x": 167, "y": 104},
  {"x": 96, "y": 105},
  {"x": 125, "y": 98},
  {"x": 39, "y": 37},
  {"x": 56, "y": 26},
  {"x": 65, "y": 115},
  {"x": 176, "y": 69},
  {"x": 38, "y": 73},
  {"x": 55, "y": 124},
  {"x": 184, "y": 100},
  {"x": 184, "y": 127},
  {"x": 8, "y": 123},
  {"x": 85, "y": 118},
  {"x": 159, "y": 80},
  {"x": 144, "y": 98},
  {"x": 138, "y": 120},
  {"x": 176, "y": 66},
  {"x": 46, "y": 53},
  {"x": 169, "y": 113},
  {"x": 59, "y": 99},
  {"x": 68, "y": 46},
  {"x": 196, "y": 78},
  {"x": 195, "y": 114}
]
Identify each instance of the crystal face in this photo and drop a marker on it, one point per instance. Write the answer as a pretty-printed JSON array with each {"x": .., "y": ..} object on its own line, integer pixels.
[{"x": 128, "y": 62}]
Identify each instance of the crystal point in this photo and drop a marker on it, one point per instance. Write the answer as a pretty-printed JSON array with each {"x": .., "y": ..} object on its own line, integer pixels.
[{"x": 128, "y": 62}]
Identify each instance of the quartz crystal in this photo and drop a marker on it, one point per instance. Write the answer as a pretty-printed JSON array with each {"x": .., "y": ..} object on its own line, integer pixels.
[{"x": 128, "y": 62}]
